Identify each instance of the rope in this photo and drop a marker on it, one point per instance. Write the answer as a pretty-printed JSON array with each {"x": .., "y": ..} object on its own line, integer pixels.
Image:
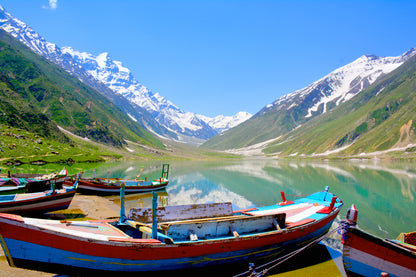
[{"x": 282, "y": 259}]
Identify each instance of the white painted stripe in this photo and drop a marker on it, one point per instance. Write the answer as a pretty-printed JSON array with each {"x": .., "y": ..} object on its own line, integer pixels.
[
  {"x": 280, "y": 209},
  {"x": 28, "y": 207},
  {"x": 383, "y": 265},
  {"x": 304, "y": 214}
]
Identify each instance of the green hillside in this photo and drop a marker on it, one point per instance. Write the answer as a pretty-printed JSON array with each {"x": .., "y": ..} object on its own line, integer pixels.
[
  {"x": 18, "y": 146},
  {"x": 38, "y": 96},
  {"x": 259, "y": 128},
  {"x": 381, "y": 117}
]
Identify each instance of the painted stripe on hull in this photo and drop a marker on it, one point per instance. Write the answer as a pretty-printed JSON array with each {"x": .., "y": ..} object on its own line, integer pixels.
[
  {"x": 57, "y": 256},
  {"x": 379, "y": 248},
  {"x": 162, "y": 251},
  {"x": 37, "y": 205},
  {"x": 100, "y": 188},
  {"x": 33, "y": 208},
  {"x": 116, "y": 256},
  {"x": 106, "y": 190},
  {"x": 373, "y": 266}
]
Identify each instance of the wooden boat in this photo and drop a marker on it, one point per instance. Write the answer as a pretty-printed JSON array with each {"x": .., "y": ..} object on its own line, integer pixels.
[
  {"x": 12, "y": 185},
  {"x": 41, "y": 182},
  {"x": 367, "y": 255},
  {"x": 112, "y": 186},
  {"x": 37, "y": 202},
  {"x": 178, "y": 238}
]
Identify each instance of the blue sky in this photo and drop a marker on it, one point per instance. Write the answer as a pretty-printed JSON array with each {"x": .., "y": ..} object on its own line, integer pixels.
[{"x": 221, "y": 57}]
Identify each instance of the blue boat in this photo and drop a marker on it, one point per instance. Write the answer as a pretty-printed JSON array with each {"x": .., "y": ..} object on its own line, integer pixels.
[{"x": 183, "y": 237}]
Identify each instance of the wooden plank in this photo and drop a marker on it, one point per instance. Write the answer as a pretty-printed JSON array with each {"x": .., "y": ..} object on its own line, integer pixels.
[
  {"x": 202, "y": 220},
  {"x": 182, "y": 212},
  {"x": 216, "y": 228}
]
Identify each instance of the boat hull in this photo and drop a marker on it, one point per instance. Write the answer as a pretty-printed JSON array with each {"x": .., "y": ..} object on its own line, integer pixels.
[
  {"x": 12, "y": 186},
  {"x": 13, "y": 190},
  {"x": 42, "y": 185},
  {"x": 41, "y": 182},
  {"x": 56, "y": 253},
  {"x": 101, "y": 188},
  {"x": 367, "y": 255},
  {"x": 37, "y": 205}
]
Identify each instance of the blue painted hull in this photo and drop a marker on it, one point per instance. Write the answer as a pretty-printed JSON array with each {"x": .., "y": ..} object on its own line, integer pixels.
[
  {"x": 367, "y": 255},
  {"x": 50, "y": 255},
  {"x": 80, "y": 247}
]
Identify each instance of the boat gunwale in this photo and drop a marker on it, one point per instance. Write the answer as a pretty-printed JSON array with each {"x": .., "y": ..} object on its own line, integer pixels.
[
  {"x": 103, "y": 188},
  {"x": 377, "y": 240},
  {"x": 223, "y": 239},
  {"x": 41, "y": 197}
]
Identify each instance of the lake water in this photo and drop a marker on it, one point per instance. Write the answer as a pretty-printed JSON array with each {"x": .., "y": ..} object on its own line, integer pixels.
[{"x": 384, "y": 193}]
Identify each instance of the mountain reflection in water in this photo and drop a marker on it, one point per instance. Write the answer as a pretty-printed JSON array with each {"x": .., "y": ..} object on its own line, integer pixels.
[{"x": 383, "y": 193}]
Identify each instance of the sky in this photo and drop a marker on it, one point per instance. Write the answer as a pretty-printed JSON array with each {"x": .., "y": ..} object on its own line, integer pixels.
[{"x": 219, "y": 57}]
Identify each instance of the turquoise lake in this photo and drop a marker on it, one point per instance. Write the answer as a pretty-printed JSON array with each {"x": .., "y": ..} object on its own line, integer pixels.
[{"x": 384, "y": 193}]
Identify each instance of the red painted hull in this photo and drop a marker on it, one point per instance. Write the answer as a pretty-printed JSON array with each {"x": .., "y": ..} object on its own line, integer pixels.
[
  {"x": 39, "y": 204},
  {"x": 101, "y": 188},
  {"x": 365, "y": 255},
  {"x": 174, "y": 256},
  {"x": 99, "y": 246}
]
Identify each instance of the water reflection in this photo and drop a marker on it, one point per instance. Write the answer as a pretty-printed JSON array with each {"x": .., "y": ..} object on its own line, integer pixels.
[{"x": 384, "y": 193}]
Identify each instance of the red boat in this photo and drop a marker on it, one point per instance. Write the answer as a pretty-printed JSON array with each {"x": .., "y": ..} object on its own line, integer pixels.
[
  {"x": 193, "y": 237},
  {"x": 367, "y": 255},
  {"x": 37, "y": 202},
  {"x": 112, "y": 186}
]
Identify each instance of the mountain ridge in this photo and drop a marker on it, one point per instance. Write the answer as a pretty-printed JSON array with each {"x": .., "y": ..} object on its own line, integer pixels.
[
  {"x": 164, "y": 111},
  {"x": 294, "y": 109},
  {"x": 113, "y": 80},
  {"x": 32, "y": 84},
  {"x": 379, "y": 120}
]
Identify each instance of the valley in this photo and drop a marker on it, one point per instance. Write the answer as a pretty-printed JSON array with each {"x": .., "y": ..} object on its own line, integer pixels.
[{"x": 91, "y": 108}]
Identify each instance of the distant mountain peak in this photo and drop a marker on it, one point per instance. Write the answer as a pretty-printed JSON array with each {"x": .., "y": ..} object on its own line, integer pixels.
[
  {"x": 292, "y": 111},
  {"x": 103, "y": 69},
  {"x": 119, "y": 78},
  {"x": 340, "y": 85}
]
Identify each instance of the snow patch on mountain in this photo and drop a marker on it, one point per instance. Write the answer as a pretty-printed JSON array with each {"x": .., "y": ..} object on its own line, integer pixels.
[
  {"x": 223, "y": 123},
  {"x": 340, "y": 85},
  {"x": 349, "y": 80},
  {"x": 120, "y": 80}
]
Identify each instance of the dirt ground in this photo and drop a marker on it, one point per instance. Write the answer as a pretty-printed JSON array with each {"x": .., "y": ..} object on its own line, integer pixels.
[{"x": 94, "y": 207}]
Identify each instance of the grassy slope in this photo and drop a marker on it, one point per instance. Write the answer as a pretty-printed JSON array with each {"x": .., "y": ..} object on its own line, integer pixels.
[
  {"x": 374, "y": 120},
  {"x": 21, "y": 146},
  {"x": 49, "y": 91},
  {"x": 259, "y": 128},
  {"x": 18, "y": 146}
]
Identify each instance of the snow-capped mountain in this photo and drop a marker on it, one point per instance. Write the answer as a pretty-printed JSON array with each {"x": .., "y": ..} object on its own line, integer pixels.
[
  {"x": 223, "y": 123},
  {"x": 340, "y": 85},
  {"x": 103, "y": 73},
  {"x": 293, "y": 110}
]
